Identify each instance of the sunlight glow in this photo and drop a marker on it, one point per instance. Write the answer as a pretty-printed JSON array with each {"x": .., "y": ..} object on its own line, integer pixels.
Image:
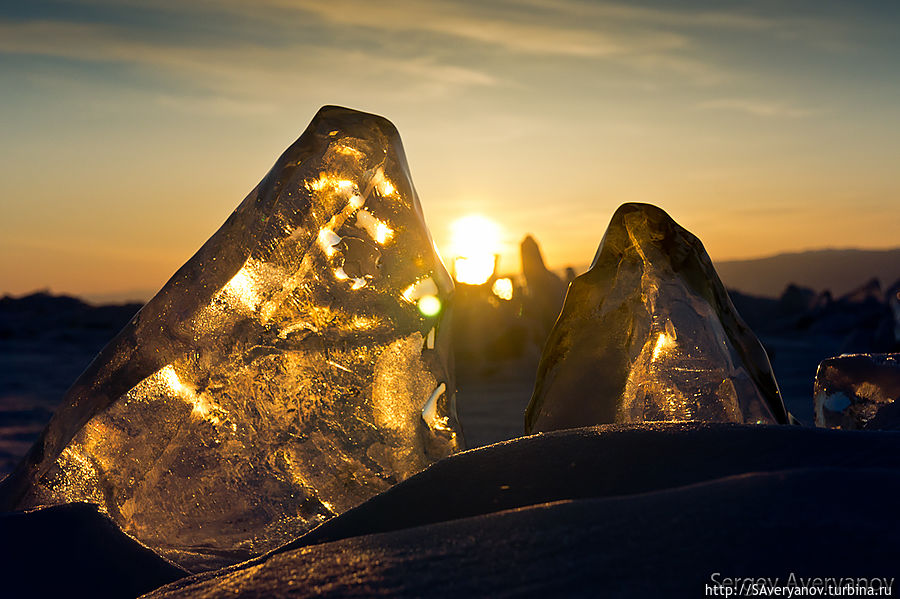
[
  {"x": 474, "y": 271},
  {"x": 476, "y": 243}
]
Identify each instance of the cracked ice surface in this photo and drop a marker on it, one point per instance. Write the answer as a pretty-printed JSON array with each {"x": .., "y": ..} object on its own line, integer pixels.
[
  {"x": 649, "y": 334},
  {"x": 280, "y": 377}
]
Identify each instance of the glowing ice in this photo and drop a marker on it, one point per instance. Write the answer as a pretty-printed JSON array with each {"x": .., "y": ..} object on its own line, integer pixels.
[
  {"x": 282, "y": 376},
  {"x": 649, "y": 334}
]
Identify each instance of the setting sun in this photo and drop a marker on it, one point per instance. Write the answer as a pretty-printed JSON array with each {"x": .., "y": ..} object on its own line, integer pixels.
[{"x": 475, "y": 245}]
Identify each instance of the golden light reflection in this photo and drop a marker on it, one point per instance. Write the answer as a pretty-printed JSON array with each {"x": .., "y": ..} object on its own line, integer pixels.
[
  {"x": 386, "y": 188},
  {"x": 348, "y": 151},
  {"x": 380, "y": 182},
  {"x": 662, "y": 343},
  {"x": 419, "y": 289},
  {"x": 355, "y": 282},
  {"x": 383, "y": 233},
  {"x": 242, "y": 288},
  {"x": 327, "y": 239},
  {"x": 377, "y": 229},
  {"x": 665, "y": 341},
  {"x": 430, "y": 410},
  {"x": 202, "y": 408},
  {"x": 364, "y": 323},
  {"x": 503, "y": 288},
  {"x": 356, "y": 202},
  {"x": 329, "y": 181}
]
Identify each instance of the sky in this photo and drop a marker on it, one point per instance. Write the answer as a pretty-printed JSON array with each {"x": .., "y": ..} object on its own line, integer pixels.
[{"x": 131, "y": 129}]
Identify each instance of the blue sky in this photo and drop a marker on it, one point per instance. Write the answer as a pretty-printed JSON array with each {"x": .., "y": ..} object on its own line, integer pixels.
[{"x": 131, "y": 129}]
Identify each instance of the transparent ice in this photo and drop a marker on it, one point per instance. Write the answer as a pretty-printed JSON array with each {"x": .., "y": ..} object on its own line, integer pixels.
[
  {"x": 649, "y": 334},
  {"x": 297, "y": 365},
  {"x": 858, "y": 391}
]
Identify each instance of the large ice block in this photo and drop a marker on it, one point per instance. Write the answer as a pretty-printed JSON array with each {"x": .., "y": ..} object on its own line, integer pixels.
[
  {"x": 298, "y": 364},
  {"x": 649, "y": 334},
  {"x": 858, "y": 391}
]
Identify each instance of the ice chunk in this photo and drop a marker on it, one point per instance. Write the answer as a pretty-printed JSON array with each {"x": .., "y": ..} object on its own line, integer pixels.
[
  {"x": 649, "y": 334},
  {"x": 858, "y": 391},
  {"x": 280, "y": 377},
  {"x": 545, "y": 290}
]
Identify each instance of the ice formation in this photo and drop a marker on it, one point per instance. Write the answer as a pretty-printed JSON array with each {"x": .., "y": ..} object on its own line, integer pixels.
[
  {"x": 298, "y": 364},
  {"x": 545, "y": 290},
  {"x": 858, "y": 391},
  {"x": 894, "y": 302},
  {"x": 649, "y": 334}
]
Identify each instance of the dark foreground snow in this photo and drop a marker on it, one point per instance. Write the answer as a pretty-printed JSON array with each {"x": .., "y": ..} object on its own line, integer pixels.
[{"x": 621, "y": 511}]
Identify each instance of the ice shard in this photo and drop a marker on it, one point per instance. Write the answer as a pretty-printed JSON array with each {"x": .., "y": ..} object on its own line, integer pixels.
[
  {"x": 649, "y": 334},
  {"x": 298, "y": 364},
  {"x": 858, "y": 391}
]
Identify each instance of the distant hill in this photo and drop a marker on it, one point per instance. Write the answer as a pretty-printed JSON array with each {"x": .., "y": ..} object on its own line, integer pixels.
[{"x": 839, "y": 271}]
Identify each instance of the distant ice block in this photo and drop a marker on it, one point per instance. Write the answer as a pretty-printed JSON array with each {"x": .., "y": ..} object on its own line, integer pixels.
[
  {"x": 894, "y": 302},
  {"x": 649, "y": 334},
  {"x": 545, "y": 290},
  {"x": 858, "y": 391},
  {"x": 297, "y": 365}
]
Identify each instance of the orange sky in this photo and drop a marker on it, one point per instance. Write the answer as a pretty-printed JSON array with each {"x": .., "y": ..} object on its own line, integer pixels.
[{"x": 132, "y": 129}]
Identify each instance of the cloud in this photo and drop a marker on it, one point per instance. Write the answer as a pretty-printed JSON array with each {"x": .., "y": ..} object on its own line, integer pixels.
[
  {"x": 655, "y": 16},
  {"x": 760, "y": 108},
  {"x": 400, "y": 49},
  {"x": 242, "y": 77},
  {"x": 511, "y": 30}
]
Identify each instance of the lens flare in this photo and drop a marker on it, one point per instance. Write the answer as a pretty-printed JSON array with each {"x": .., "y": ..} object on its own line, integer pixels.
[
  {"x": 503, "y": 288},
  {"x": 429, "y": 305}
]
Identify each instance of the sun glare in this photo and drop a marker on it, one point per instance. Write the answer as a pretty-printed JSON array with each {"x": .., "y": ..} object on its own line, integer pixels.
[{"x": 475, "y": 244}]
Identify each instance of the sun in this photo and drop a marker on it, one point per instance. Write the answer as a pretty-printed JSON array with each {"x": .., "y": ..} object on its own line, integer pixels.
[{"x": 475, "y": 246}]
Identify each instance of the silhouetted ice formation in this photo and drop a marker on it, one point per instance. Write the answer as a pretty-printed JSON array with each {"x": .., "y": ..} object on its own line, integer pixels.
[
  {"x": 894, "y": 303},
  {"x": 858, "y": 391},
  {"x": 295, "y": 366},
  {"x": 649, "y": 334},
  {"x": 545, "y": 290}
]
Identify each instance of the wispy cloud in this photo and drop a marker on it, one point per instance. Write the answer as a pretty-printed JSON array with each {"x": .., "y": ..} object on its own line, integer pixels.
[
  {"x": 231, "y": 77},
  {"x": 760, "y": 108},
  {"x": 258, "y": 51},
  {"x": 512, "y": 30},
  {"x": 640, "y": 39},
  {"x": 656, "y": 16}
]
